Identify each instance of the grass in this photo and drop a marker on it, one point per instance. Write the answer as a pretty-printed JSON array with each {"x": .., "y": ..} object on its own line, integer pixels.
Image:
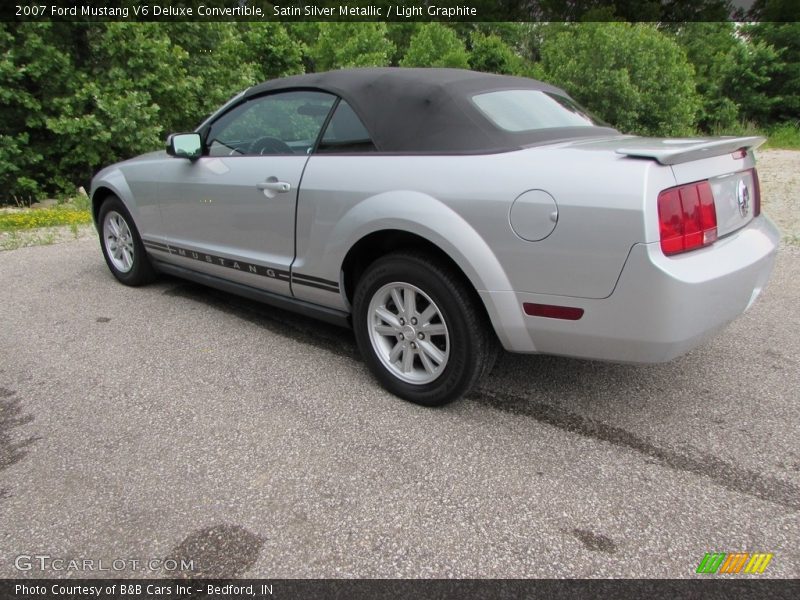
[
  {"x": 785, "y": 136},
  {"x": 20, "y": 227},
  {"x": 62, "y": 214}
]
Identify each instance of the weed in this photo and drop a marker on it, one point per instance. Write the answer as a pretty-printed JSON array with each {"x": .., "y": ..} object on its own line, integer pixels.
[
  {"x": 81, "y": 202},
  {"x": 10, "y": 241},
  {"x": 64, "y": 214},
  {"x": 46, "y": 239}
]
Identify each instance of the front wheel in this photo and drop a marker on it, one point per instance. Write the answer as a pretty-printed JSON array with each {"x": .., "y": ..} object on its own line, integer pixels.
[
  {"x": 122, "y": 247},
  {"x": 420, "y": 330}
]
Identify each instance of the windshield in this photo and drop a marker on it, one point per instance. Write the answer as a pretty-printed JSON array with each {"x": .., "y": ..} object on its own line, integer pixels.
[{"x": 529, "y": 110}]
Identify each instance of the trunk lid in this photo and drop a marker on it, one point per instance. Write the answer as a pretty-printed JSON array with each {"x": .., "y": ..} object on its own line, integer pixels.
[
  {"x": 727, "y": 163},
  {"x": 732, "y": 177},
  {"x": 675, "y": 151}
]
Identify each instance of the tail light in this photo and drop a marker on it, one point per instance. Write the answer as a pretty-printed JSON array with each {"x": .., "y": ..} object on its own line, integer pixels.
[
  {"x": 757, "y": 194},
  {"x": 687, "y": 217}
]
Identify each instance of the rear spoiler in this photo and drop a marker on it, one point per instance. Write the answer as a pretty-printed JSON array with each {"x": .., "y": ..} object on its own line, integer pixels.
[{"x": 673, "y": 151}]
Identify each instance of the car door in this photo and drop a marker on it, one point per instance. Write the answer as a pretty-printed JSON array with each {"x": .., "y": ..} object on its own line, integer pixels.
[{"x": 231, "y": 213}]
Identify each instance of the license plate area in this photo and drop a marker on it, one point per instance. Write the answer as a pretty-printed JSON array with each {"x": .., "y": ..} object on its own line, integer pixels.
[{"x": 734, "y": 200}]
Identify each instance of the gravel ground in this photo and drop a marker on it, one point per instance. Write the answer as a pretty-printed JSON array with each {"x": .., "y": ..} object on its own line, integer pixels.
[
  {"x": 175, "y": 421},
  {"x": 779, "y": 174}
]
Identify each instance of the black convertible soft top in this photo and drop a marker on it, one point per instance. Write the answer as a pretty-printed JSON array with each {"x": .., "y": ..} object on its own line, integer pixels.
[{"x": 427, "y": 110}]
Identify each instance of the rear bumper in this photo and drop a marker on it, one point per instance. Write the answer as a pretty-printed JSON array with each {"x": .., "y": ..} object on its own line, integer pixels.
[{"x": 660, "y": 308}]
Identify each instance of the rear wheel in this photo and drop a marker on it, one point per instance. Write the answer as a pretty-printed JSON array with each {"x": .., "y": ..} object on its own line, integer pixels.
[
  {"x": 420, "y": 329},
  {"x": 122, "y": 246}
]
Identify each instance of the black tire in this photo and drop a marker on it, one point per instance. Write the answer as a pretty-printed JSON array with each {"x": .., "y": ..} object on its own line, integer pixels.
[
  {"x": 141, "y": 270},
  {"x": 472, "y": 346}
]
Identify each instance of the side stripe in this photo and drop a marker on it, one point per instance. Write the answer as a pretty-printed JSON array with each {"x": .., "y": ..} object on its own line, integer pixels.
[
  {"x": 247, "y": 267},
  {"x": 327, "y": 288},
  {"x": 317, "y": 279}
]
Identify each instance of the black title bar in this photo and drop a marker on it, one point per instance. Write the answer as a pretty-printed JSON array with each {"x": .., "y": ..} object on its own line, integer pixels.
[
  {"x": 392, "y": 589},
  {"x": 401, "y": 10}
]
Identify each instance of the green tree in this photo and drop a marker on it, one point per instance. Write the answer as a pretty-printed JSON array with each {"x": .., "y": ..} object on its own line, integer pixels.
[
  {"x": 400, "y": 34},
  {"x": 775, "y": 11},
  {"x": 351, "y": 44},
  {"x": 631, "y": 75},
  {"x": 514, "y": 35},
  {"x": 134, "y": 86},
  {"x": 783, "y": 86},
  {"x": 31, "y": 73},
  {"x": 271, "y": 49},
  {"x": 629, "y": 10},
  {"x": 748, "y": 73},
  {"x": 213, "y": 62},
  {"x": 436, "y": 45},
  {"x": 86, "y": 94},
  {"x": 492, "y": 55},
  {"x": 731, "y": 72}
]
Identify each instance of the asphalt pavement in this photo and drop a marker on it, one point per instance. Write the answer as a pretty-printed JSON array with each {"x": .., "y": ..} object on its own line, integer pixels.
[{"x": 176, "y": 430}]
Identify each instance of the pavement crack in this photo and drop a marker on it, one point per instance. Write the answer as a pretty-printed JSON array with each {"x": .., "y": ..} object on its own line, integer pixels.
[{"x": 697, "y": 462}]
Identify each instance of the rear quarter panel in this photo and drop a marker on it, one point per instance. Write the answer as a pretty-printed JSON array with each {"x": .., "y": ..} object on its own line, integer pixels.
[{"x": 462, "y": 204}]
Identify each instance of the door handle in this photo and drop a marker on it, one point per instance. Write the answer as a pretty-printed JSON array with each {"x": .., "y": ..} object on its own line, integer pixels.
[{"x": 273, "y": 185}]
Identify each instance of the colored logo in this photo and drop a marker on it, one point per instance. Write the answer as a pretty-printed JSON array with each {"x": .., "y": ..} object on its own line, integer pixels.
[{"x": 734, "y": 562}]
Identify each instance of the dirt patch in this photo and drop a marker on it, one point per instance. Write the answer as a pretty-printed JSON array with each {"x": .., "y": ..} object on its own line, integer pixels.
[
  {"x": 595, "y": 541},
  {"x": 223, "y": 551}
]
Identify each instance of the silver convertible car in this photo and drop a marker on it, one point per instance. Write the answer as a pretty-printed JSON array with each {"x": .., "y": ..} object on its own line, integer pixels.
[{"x": 444, "y": 214}]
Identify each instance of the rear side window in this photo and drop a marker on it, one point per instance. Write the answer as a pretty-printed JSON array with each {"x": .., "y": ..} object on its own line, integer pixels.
[
  {"x": 529, "y": 110},
  {"x": 345, "y": 133}
]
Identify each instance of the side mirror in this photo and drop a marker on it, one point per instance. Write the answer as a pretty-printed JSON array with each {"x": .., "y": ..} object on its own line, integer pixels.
[{"x": 185, "y": 145}]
